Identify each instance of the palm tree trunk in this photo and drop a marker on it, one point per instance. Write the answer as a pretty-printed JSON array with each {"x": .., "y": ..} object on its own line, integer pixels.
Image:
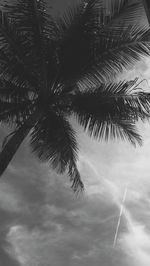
[
  {"x": 146, "y": 4},
  {"x": 13, "y": 144}
]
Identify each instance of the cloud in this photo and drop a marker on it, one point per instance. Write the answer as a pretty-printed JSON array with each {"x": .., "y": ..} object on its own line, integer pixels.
[
  {"x": 136, "y": 242},
  {"x": 80, "y": 231},
  {"x": 71, "y": 231},
  {"x": 10, "y": 199},
  {"x": 135, "y": 239}
]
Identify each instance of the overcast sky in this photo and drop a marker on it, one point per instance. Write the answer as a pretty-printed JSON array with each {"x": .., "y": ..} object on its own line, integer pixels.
[{"x": 43, "y": 223}]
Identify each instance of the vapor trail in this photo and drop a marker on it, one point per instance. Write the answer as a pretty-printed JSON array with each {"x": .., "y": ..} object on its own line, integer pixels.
[{"x": 120, "y": 215}]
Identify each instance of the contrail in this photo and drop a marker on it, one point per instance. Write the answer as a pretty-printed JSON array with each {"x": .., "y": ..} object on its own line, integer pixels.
[{"x": 120, "y": 215}]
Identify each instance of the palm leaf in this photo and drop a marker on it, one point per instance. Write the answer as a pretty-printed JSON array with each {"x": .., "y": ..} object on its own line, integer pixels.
[
  {"x": 116, "y": 50},
  {"x": 15, "y": 113},
  {"x": 87, "y": 51},
  {"x": 74, "y": 39},
  {"x": 82, "y": 14},
  {"x": 122, "y": 11},
  {"x": 30, "y": 17},
  {"x": 13, "y": 93},
  {"x": 116, "y": 128},
  {"x": 35, "y": 27},
  {"x": 13, "y": 44},
  {"x": 53, "y": 140},
  {"x": 77, "y": 184},
  {"x": 112, "y": 110},
  {"x": 11, "y": 70}
]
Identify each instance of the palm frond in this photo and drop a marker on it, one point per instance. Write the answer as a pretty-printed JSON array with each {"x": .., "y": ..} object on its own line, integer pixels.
[
  {"x": 13, "y": 44},
  {"x": 15, "y": 73},
  {"x": 99, "y": 50},
  {"x": 116, "y": 50},
  {"x": 30, "y": 17},
  {"x": 35, "y": 28},
  {"x": 123, "y": 11},
  {"x": 75, "y": 178},
  {"x": 53, "y": 140},
  {"x": 74, "y": 37},
  {"x": 10, "y": 92},
  {"x": 15, "y": 113},
  {"x": 112, "y": 110},
  {"x": 115, "y": 129},
  {"x": 82, "y": 14}
]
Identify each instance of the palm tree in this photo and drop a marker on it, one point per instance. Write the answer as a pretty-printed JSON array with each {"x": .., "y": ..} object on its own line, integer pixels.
[{"x": 52, "y": 68}]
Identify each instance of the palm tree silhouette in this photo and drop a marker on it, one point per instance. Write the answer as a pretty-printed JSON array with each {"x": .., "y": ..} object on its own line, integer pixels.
[{"x": 52, "y": 68}]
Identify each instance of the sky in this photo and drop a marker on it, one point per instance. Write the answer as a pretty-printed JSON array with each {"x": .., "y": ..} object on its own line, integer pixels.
[{"x": 42, "y": 222}]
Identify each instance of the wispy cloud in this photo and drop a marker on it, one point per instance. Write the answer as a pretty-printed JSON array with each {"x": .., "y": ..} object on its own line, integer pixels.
[{"x": 135, "y": 239}]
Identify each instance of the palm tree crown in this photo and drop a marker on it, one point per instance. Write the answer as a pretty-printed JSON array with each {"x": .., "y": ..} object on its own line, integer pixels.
[{"x": 53, "y": 68}]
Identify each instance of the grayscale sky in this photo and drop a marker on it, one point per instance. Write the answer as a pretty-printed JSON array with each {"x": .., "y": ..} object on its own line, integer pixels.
[{"x": 43, "y": 223}]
